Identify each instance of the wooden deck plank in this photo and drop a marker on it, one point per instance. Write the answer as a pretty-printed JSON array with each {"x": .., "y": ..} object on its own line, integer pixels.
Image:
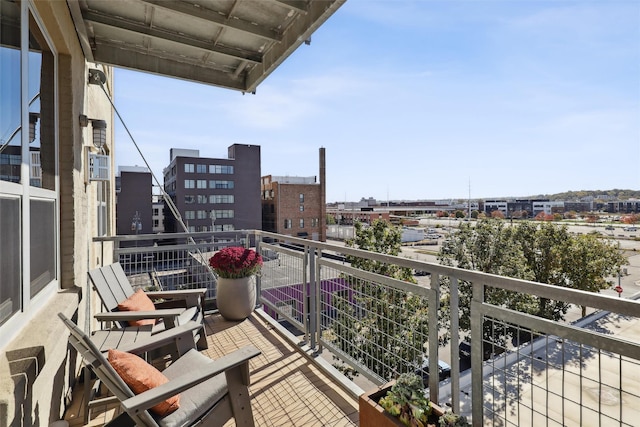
[{"x": 286, "y": 388}]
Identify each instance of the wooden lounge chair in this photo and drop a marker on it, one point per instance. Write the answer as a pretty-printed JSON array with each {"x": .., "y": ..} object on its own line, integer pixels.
[
  {"x": 113, "y": 287},
  {"x": 211, "y": 391}
]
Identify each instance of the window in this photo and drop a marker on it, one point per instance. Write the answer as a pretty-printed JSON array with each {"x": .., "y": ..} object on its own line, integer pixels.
[
  {"x": 189, "y": 199},
  {"x": 314, "y": 222},
  {"x": 228, "y": 227},
  {"x": 287, "y": 224},
  {"x": 221, "y": 198},
  {"x": 202, "y": 215},
  {"x": 301, "y": 222},
  {"x": 301, "y": 208},
  {"x": 223, "y": 213},
  {"x": 36, "y": 194},
  {"x": 220, "y": 169},
  {"x": 188, "y": 167},
  {"x": 220, "y": 184},
  {"x": 189, "y": 215},
  {"x": 301, "y": 198},
  {"x": 156, "y": 223},
  {"x": 189, "y": 183},
  {"x": 202, "y": 183},
  {"x": 202, "y": 198},
  {"x": 201, "y": 168},
  {"x": 156, "y": 212},
  {"x": 101, "y": 206}
]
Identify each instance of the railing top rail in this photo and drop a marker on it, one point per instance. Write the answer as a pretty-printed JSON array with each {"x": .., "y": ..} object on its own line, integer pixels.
[
  {"x": 167, "y": 236},
  {"x": 385, "y": 280},
  {"x": 591, "y": 299}
]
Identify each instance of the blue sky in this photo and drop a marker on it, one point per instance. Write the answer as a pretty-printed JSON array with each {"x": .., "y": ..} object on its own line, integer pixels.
[{"x": 417, "y": 99}]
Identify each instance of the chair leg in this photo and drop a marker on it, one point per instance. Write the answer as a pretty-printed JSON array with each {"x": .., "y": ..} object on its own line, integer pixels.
[
  {"x": 202, "y": 340},
  {"x": 239, "y": 395}
]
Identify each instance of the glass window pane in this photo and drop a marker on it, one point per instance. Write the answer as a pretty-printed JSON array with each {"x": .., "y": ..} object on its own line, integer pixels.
[
  {"x": 43, "y": 244},
  {"x": 10, "y": 261},
  {"x": 42, "y": 158},
  {"x": 10, "y": 127}
]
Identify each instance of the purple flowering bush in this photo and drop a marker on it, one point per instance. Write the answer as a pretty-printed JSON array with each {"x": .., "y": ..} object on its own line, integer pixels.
[{"x": 235, "y": 262}]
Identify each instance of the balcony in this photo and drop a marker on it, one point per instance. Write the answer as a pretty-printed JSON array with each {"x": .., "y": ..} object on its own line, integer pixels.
[{"x": 314, "y": 307}]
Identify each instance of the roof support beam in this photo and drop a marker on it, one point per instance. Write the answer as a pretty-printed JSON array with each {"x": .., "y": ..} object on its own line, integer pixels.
[
  {"x": 119, "y": 57},
  {"x": 298, "y": 32},
  {"x": 217, "y": 18},
  {"x": 160, "y": 33}
]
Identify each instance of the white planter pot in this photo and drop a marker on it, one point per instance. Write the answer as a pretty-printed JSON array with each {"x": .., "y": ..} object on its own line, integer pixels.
[{"x": 236, "y": 298}]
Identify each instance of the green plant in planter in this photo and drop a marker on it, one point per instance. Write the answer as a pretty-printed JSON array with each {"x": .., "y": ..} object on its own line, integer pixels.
[
  {"x": 449, "y": 419},
  {"x": 406, "y": 401}
]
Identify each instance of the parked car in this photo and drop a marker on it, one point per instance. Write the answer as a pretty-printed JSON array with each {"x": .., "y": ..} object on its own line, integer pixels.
[
  {"x": 630, "y": 229},
  {"x": 444, "y": 371},
  {"x": 609, "y": 227},
  {"x": 465, "y": 349}
]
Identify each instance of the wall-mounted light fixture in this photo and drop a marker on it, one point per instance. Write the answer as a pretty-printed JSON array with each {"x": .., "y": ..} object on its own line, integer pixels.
[{"x": 99, "y": 130}]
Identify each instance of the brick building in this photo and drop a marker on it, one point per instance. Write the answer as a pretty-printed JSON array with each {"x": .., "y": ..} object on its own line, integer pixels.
[{"x": 295, "y": 206}]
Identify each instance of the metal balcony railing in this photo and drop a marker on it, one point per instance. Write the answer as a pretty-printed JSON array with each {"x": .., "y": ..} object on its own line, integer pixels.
[{"x": 585, "y": 373}]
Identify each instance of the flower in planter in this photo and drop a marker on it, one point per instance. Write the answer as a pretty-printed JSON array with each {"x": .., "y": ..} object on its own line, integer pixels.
[
  {"x": 406, "y": 400},
  {"x": 235, "y": 262}
]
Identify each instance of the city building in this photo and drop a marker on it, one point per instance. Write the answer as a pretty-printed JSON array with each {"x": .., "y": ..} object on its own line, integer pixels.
[
  {"x": 214, "y": 194},
  {"x": 134, "y": 200},
  {"x": 295, "y": 206},
  {"x": 157, "y": 213}
]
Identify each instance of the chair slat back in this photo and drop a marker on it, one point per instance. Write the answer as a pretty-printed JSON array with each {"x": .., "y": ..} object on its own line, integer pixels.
[
  {"x": 112, "y": 285},
  {"x": 103, "y": 370}
]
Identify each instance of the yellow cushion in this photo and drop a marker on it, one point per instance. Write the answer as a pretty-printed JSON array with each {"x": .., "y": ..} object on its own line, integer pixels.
[
  {"x": 140, "y": 377},
  {"x": 138, "y": 301}
]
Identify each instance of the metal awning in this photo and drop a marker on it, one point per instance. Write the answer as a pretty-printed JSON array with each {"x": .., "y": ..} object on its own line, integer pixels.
[{"x": 233, "y": 44}]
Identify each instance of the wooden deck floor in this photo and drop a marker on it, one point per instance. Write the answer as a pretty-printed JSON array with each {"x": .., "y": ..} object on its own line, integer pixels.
[{"x": 287, "y": 389}]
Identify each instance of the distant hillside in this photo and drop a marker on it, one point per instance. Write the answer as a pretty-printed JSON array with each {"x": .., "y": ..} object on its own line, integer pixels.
[{"x": 614, "y": 194}]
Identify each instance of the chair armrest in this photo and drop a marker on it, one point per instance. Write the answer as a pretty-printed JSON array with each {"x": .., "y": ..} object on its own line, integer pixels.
[
  {"x": 191, "y": 296},
  {"x": 167, "y": 315},
  {"x": 150, "y": 398},
  {"x": 182, "y": 336}
]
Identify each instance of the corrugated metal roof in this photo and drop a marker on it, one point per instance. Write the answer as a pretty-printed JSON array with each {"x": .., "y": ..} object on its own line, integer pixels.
[{"x": 233, "y": 44}]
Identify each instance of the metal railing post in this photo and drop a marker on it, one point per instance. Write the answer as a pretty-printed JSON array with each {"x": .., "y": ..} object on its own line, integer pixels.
[
  {"x": 313, "y": 306},
  {"x": 477, "y": 351},
  {"x": 455, "y": 346},
  {"x": 434, "y": 307}
]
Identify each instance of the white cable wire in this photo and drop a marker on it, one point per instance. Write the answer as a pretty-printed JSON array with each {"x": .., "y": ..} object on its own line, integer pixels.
[{"x": 167, "y": 199}]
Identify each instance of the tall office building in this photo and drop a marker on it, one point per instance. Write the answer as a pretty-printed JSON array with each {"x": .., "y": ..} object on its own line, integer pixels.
[
  {"x": 133, "y": 200},
  {"x": 214, "y": 194}
]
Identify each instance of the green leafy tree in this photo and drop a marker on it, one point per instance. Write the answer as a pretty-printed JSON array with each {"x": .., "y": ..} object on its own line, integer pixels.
[
  {"x": 383, "y": 328},
  {"x": 488, "y": 247},
  {"x": 380, "y": 237},
  {"x": 588, "y": 262},
  {"x": 542, "y": 252}
]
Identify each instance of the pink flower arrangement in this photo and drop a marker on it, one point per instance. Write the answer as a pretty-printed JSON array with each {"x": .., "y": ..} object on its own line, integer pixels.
[{"x": 234, "y": 262}]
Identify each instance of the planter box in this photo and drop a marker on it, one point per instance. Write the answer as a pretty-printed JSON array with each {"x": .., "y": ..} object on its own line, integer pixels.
[{"x": 373, "y": 415}]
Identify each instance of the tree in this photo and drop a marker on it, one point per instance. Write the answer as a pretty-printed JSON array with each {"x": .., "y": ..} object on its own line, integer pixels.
[
  {"x": 380, "y": 237},
  {"x": 542, "y": 252},
  {"x": 488, "y": 247},
  {"x": 377, "y": 320},
  {"x": 497, "y": 214},
  {"x": 588, "y": 262}
]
